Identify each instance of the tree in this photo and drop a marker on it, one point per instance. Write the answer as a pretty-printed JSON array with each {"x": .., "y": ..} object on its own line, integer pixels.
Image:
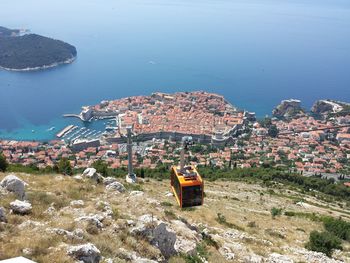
[
  {"x": 273, "y": 131},
  {"x": 324, "y": 242},
  {"x": 101, "y": 167},
  {"x": 64, "y": 167},
  {"x": 3, "y": 163}
]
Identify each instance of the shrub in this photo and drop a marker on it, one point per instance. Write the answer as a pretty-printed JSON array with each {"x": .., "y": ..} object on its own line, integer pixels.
[
  {"x": 338, "y": 227},
  {"x": 101, "y": 167},
  {"x": 289, "y": 213},
  {"x": 276, "y": 212},
  {"x": 324, "y": 242},
  {"x": 64, "y": 167}
]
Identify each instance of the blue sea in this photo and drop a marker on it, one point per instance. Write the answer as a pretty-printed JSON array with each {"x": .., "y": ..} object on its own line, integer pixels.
[{"x": 254, "y": 52}]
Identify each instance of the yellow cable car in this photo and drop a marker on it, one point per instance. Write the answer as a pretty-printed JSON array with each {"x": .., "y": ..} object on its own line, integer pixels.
[
  {"x": 187, "y": 186},
  {"x": 186, "y": 183}
]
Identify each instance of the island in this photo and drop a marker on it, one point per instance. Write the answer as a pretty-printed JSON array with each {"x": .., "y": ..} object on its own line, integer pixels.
[{"x": 23, "y": 52}]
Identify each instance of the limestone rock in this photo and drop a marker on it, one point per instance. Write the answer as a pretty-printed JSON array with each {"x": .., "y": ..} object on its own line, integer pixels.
[
  {"x": 109, "y": 180},
  {"x": 253, "y": 259},
  {"x": 13, "y": 184},
  {"x": 78, "y": 177},
  {"x": 164, "y": 239},
  {"x": 278, "y": 258},
  {"x": 31, "y": 224},
  {"x": 77, "y": 234},
  {"x": 136, "y": 193},
  {"x": 116, "y": 186},
  {"x": 92, "y": 174},
  {"x": 93, "y": 219},
  {"x": 86, "y": 253},
  {"x": 2, "y": 215},
  {"x": 77, "y": 203},
  {"x": 287, "y": 109},
  {"x": 21, "y": 207}
]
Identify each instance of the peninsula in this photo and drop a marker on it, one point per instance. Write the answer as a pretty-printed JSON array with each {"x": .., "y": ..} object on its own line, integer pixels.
[{"x": 24, "y": 52}]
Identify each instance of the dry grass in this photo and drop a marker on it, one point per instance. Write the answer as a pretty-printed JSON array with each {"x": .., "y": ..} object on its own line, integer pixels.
[{"x": 246, "y": 207}]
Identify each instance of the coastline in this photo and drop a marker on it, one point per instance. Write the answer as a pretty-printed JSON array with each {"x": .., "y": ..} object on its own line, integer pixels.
[{"x": 67, "y": 61}]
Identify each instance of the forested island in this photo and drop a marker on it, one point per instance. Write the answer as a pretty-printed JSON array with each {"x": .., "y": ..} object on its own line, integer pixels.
[{"x": 32, "y": 52}]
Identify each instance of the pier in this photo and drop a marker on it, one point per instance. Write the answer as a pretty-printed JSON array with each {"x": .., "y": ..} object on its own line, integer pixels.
[
  {"x": 64, "y": 131},
  {"x": 74, "y": 116}
]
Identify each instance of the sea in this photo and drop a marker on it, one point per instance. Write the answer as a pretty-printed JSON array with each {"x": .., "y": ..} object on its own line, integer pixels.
[{"x": 254, "y": 52}]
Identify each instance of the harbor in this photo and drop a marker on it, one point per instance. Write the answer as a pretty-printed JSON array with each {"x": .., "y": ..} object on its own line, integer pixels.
[{"x": 72, "y": 132}]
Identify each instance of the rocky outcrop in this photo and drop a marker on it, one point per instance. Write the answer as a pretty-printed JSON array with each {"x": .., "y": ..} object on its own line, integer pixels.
[
  {"x": 13, "y": 184},
  {"x": 2, "y": 215},
  {"x": 169, "y": 238},
  {"x": 21, "y": 207},
  {"x": 324, "y": 107},
  {"x": 288, "y": 109},
  {"x": 86, "y": 253}
]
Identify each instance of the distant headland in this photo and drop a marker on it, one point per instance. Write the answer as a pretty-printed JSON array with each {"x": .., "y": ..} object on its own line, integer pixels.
[{"x": 20, "y": 51}]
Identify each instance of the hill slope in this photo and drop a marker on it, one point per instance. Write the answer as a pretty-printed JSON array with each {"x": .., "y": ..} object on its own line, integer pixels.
[
  {"x": 234, "y": 224},
  {"x": 29, "y": 52}
]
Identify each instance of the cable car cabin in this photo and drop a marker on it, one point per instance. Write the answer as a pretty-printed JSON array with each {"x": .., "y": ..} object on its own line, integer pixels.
[{"x": 187, "y": 185}]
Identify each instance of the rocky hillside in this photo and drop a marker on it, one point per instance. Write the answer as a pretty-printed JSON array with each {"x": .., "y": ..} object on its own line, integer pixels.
[
  {"x": 329, "y": 106},
  {"x": 288, "y": 109},
  {"x": 94, "y": 219}
]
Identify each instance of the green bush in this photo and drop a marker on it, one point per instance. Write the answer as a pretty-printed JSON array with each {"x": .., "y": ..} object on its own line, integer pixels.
[
  {"x": 324, "y": 242},
  {"x": 101, "y": 167},
  {"x": 338, "y": 227},
  {"x": 276, "y": 212},
  {"x": 289, "y": 213},
  {"x": 64, "y": 167}
]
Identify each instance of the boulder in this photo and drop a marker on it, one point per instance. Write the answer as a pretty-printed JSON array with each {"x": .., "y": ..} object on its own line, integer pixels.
[
  {"x": 164, "y": 239},
  {"x": 21, "y": 207},
  {"x": 116, "y": 186},
  {"x": 109, "y": 180},
  {"x": 13, "y": 184},
  {"x": 78, "y": 177},
  {"x": 92, "y": 219},
  {"x": 93, "y": 174},
  {"x": 158, "y": 234},
  {"x": 287, "y": 109},
  {"x": 2, "y": 215},
  {"x": 86, "y": 253}
]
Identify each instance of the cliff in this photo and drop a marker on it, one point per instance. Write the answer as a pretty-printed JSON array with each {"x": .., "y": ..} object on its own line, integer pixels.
[
  {"x": 32, "y": 52},
  {"x": 288, "y": 109}
]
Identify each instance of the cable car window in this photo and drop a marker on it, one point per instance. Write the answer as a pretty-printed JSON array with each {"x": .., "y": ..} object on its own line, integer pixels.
[{"x": 192, "y": 195}]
